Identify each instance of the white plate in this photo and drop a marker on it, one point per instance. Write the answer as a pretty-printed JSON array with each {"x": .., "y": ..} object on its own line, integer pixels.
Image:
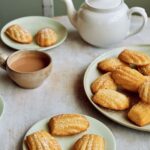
[
  {"x": 92, "y": 73},
  {"x": 96, "y": 127},
  {"x": 33, "y": 24},
  {"x": 1, "y": 107}
]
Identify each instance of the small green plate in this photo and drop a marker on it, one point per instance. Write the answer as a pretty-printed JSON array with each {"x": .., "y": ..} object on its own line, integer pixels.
[
  {"x": 66, "y": 142},
  {"x": 33, "y": 24},
  {"x": 1, "y": 107}
]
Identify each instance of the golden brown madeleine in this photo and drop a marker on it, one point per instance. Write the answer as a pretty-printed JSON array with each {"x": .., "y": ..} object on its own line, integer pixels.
[
  {"x": 134, "y": 57},
  {"x": 42, "y": 140},
  {"x": 130, "y": 79},
  {"x": 110, "y": 64},
  {"x": 19, "y": 34},
  {"x": 144, "y": 69},
  {"x": 68, "y": 124},
  {"x": 147, "y": 78},
  {"x": 46, "y": 37},
  {"x": 111, "y": 99},
  {"x": 144, "y": 92},
  {"x": 104, "y": 81},
  {"x": 140, "y": 114},
  {"x": 90, "y": 142}
]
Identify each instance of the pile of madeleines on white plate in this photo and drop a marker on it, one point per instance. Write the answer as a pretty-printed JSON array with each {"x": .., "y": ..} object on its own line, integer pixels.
[
  {"x": 127, "y": 73},
  {"x": 65, "y": 125},
  {"x": 44, "y": 37}
]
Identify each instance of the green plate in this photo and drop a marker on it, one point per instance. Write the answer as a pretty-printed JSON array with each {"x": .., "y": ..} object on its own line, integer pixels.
[
  {"x": 1, "y": 107},
  {"x": 33, "y": 24},
  {"x": 66, "y": 142}
]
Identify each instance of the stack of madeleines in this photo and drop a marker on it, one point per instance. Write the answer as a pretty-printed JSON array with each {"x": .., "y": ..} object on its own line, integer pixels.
[
  {"x": 65, "y": 125},
  {"x": 45, "y": 37},
  {"x": 130, "y": 72}
]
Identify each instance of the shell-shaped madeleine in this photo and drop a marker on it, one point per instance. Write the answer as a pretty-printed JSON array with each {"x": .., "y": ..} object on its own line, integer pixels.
[
  {"x": 144, "y": 92},
  {"x": 19, "y": 34},
  {"x": 130, "y": 79},
  {"x": 90, "y": 142},
  {"x": 104, "y": 81},
  {"x": 144, "y": 69},
  {"x": 140, "y": 114},
  {"x": 110, "y": 64},
  {"x": 147, "y": 78},
  {"x": 68, "y": 124},
  {"x": 134, "y": 57},
  {"x": 46, "y": 37},
  {"x": 111, "y": 99},
  {"x": 42, "y": 140}
]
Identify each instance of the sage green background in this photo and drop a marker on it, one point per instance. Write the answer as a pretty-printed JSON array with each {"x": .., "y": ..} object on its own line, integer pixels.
[
  {"x": 11, "y": 9},
  {"x": 60, "y": 7}
]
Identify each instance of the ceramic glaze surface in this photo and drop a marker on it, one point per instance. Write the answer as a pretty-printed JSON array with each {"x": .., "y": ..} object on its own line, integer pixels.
[
  {"x": 104, "y": 23},
  {"x": 92, "y": 73},
  {"x": 96, "y": 127},
  {"x": 103, "y": 4},
  {"x": 28, "y": 69},
  {"x": 70, "y": 61},
  {"x": 100, "y": 31},
  {"x": 1, "y": 107},
  {"x": 33, "y": 24}
]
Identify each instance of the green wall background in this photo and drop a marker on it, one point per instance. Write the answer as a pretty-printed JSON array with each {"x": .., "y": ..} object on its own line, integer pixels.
[
  {"x": 60, "y": 7},
  {"x": 11, "y": 9}
]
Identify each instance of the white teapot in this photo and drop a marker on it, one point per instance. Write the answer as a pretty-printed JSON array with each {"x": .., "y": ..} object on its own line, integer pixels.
[{"x": 104, "y": 22}]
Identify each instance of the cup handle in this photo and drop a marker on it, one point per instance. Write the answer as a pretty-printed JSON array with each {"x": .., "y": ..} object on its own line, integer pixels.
[
  {"x": 3, "y": 58},
  {"x": 141, "y": 12}
]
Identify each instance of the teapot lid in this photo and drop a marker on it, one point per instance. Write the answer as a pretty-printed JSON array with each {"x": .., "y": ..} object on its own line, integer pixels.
[{"x": 103, "y": 4}]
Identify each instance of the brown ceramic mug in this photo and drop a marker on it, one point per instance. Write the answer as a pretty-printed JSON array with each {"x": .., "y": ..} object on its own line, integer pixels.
[{"x": 28, "y": 69}]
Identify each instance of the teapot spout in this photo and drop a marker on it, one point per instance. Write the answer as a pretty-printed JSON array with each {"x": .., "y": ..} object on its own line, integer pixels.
[{"x": 72, "y": 14}]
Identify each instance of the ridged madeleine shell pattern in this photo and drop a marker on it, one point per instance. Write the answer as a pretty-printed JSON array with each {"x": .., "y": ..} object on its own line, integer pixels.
[
  {"x": 144, "y": 92},
  {"x": 104, "y": 81},
  {"x": 111, "y": 99},
  {"x": 19, "y": 34},
  {"x": 68, "y": 124},
  {"x": 134, "y": 57},
  {"x": 144, "y": 69},
  {"x": 140, "y": 114},
  {"x": 42, "y": 140},
  {"x": 46, "y": 37},
  {"x": 110, "y": 64},
  {"x": 89, "y": 142},
  {"x": 147, "y": 78},
  {"x": 130, "y": 79}
]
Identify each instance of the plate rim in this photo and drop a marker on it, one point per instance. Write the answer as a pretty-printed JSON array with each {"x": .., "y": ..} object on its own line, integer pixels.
[
  {"x": 118, "y": 49},
  {"x": 3, "y": 107},
  {"x": 47, "y": 118},
  {"x": 40, "y": 48}
]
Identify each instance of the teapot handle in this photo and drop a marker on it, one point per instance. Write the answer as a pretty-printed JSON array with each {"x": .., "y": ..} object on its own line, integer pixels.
[{"x": 141, "y": 12}]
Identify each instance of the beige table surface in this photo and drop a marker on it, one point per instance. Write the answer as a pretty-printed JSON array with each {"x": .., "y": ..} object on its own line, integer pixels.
[{"x": 62, "y": 93}]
